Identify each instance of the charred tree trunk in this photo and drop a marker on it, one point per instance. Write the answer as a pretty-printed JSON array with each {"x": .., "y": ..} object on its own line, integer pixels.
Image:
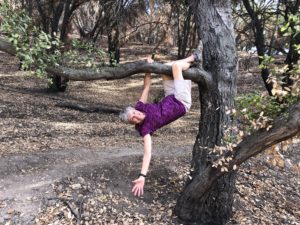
[
  {"x": 258, "y": 31},
  {"x": 293, "y": 55},
  {"x": 57, "y": 11},
  {"x": 27, "y": 4},
  {"x": 58, "y": 83},
  {"x": 213, "y": 20},
  {"x": 184, "y": 37},
  {"x": 69, "y": 8},
  {"x": 114, "y": 44},
  {"x": 43, "y": 16}
]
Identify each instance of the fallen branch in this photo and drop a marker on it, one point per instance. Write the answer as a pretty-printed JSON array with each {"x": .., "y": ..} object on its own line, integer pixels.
[
  {"x": 89, "y": 109},
  {"x": 7, "y": 47},
  {"x": 70, "y": 207}
]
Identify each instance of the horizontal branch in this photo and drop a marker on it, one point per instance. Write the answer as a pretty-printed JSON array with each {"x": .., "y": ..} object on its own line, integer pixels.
[
  {"x": 282, "y": 129},
  {"x": 126, "y": 70},
  {"x": 121, "y": 71}
]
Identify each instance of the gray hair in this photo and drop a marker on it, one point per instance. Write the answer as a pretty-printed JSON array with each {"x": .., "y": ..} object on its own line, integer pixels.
[{"x": 125, "y": 113}]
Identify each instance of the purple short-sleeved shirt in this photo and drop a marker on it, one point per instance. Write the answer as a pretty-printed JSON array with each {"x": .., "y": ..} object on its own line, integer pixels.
[{"x": 160, "y": 114}]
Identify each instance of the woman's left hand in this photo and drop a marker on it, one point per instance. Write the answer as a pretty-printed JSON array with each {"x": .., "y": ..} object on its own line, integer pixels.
[{"x": 138, "y": 188}]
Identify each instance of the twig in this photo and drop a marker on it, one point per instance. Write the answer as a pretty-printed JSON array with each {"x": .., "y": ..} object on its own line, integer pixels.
[
  {"x": 77, "y": 216},
  {"x": 73, "y": 211},
  {"x": 80, "y": 210}
]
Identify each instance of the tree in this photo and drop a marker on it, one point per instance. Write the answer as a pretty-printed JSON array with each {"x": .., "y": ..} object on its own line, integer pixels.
[
  {"x": 214, "y": 24},
  {"x": 117, "y": 11},
  {"x": 258, "y": 23},
  {"x": 208, "y": 197},
  {"x": 54, "y": 18},
  {"x": 290, "y": 14},
  {"x": 262, "y": 19},
  {"x": 186, "y": 37},
  {"x": 52, "y": 13}
]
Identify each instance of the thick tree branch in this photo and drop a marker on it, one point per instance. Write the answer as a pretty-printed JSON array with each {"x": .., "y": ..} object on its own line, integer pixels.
[
  {"x": 282, "y": 129},
  {"x": 121, "y": 71},
  {"x": 126, "y": 70}
]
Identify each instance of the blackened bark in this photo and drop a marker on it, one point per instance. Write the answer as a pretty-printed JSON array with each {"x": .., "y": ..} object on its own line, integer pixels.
[
  {"x": 114, "y": 44},
  {"x": 183, "y": 36},
  {"x": 258, "y": 30},
  {"x": 28, "y": 5},
  {"x": 58, "y": 83},
  {"x": 43, "y": 15},
  {"x": 284, "y": 127},
  {"x": 57, "y": 11},
  {"x": 68, "y": 11},
  {"x": 293, "y": 55},
  {"x": 213, "y": 20}
]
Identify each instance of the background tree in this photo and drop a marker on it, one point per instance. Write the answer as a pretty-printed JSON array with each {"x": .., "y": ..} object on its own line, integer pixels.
[
  {"x": 291, "y": 16},
  {"x": 55, "y": 16},
  {"x": 261, "y": 22}
]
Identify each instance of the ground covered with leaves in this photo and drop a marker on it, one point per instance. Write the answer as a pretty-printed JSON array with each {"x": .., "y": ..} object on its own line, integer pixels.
[{"x": 63, "y": 166}]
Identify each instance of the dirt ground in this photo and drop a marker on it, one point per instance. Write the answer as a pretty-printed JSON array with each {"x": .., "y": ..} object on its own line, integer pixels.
[{"x": 63, "y": 166}]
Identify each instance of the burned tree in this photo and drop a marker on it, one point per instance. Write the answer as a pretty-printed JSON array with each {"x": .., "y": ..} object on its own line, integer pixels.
[
  {"x": 214, "y": 206},
  {"x": 208, "y": 197}
]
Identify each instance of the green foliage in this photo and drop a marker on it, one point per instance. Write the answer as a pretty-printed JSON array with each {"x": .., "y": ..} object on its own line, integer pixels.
[
  {"x": 254, "y": 105},
  {"x": 38, "y": 49},
  {"x": 84, "y": 55},
  {"x": 258, "y": 110},
  {"x": 267, "y": 60},
  {"x": 292, "y": 27}
]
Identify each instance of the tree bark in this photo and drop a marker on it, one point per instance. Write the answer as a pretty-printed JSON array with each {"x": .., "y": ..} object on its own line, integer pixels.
[
  {"x": 293, "y": 55},
  {"x": 57, "y": 11},
  {"x": 186, "y": 32},
  {"x": 44, "y": 17},
  {"x": 214, "y": 206},
  {"x": 69, "y": 7},
  {"x": 258, "y": 30},
  {"x": 113, "y": 35}
]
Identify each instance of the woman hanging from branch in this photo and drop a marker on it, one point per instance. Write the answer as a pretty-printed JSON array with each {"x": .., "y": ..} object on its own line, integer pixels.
[{"x": 148, "y": 117}]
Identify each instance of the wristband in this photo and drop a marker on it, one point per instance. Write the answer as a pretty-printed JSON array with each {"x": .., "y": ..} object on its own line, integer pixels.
[{"x": 142, "y": 175}]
